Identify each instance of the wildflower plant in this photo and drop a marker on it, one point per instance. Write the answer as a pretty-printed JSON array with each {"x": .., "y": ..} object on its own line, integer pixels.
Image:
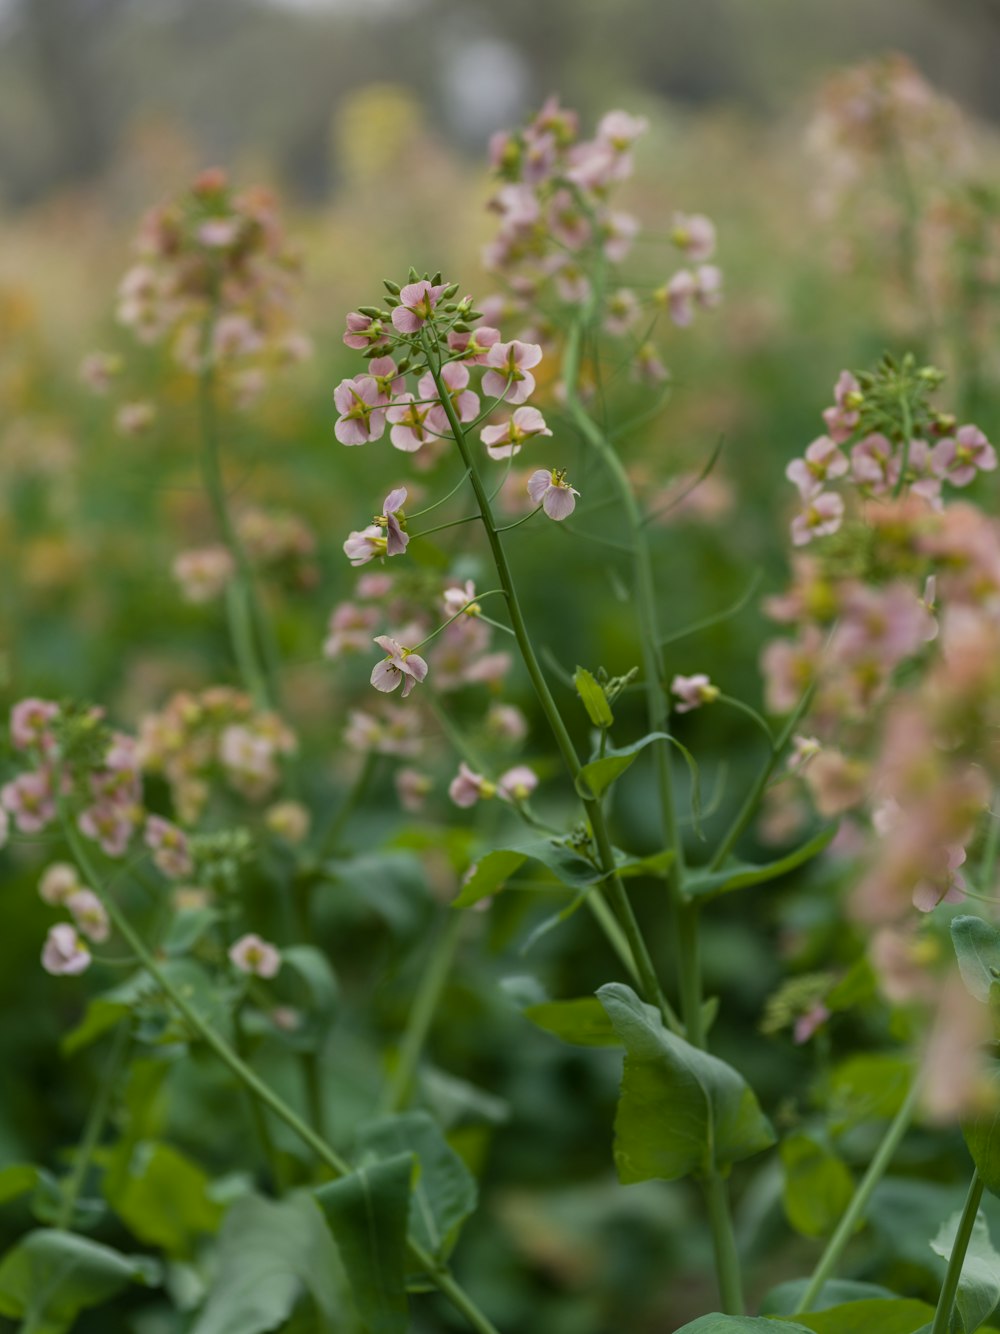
[{"x": 172, "y": 844}]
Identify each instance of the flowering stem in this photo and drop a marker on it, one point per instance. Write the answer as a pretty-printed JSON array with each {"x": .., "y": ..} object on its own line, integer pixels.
[
  {"x": 436, "y": 1272},
  {"x": 490, "y": 592},
  {"x": 517, "y": 522},
  {"x": 946, "y": 1302},
  {"x": 855, "y": 1211},
  {"x": 613, "y": 886},
  {"x": 396, "y": 1093},
  {"x": 93, "y": 1127},
  {"x": 247, "y": 626}
]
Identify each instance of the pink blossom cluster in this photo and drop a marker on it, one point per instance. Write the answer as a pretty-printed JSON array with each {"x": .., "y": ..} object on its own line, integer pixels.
[
  {"x": 874, "y": 465},
  {"x": 65, "y": 951},
  {"x": 198, "y": 738},
  {"x": 214, "y": 275}
]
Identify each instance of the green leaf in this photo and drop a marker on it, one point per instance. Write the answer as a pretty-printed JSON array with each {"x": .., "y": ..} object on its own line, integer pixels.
[
  {"x": 899, "y": 1316},
  {"x": 368, "y": 1211},
  {"x": 818, "y": 1185},
  {"x": 444, "y": 1193},
  {"x": 741, "y": 875},
  {"x": 597, "y": 776},
  {"x": 977, "y": 945},
  {"x": 785, "y": 1298},
  {"x": 982, "y": 1133},
  {"x": 979, "y": 1283},
  {"x": 493, "y": 870},
  {"x": 188, "y": 927},
  {"x": 18, "y": 1179},
  {"x": 595, "y": 701},
  {"x": 49, "y": 1277},
  {"x": 869, "y": 1086},
  {"x": 162, "y": 1195},
  {"x": 488, "y": 875},
  {"x": 681, "y": 1110},
  {"x": 269, "y": 1252},
  {"x": 315, "y": 972},
  {"x": 740, "y": 1324},
  {"x": 584, "y": 1022}
]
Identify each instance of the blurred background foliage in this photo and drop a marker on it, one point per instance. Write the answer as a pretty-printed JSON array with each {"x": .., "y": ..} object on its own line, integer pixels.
[{"x": 371, "y": 121}]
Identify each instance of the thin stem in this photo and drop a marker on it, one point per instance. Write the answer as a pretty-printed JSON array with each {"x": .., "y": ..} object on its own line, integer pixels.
[
  {"x": 855, "y": 1211},
  {"x": 439, "y": 528},
  {"x": 397, "y": 1092},
  {"x": 613, "y": 887},
  {"x": 438, "y": 1275},
  {"x": 517, "y": 522},
  {"x": 261, "y": 1129},
  {"x": 727, "y": 1260},
  {"x": 350, "y": 804},
  {"x": 490, "y": 592},
  {"x": 946, "y": 1302},
  {"x": 93, "y": 1127},
  {"x": 438, "y": 503}
]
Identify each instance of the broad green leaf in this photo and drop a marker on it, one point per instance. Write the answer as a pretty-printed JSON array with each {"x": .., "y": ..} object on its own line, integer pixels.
[
  {"x": 595, "y": 701},
  {"x": 741, "y": 875},
  {"x": 898, "y": 1316},
  {"x": 162, "y": 1195},
  {"x": 269, "y": 1253},
  {"x": 740, "y": 1324},
  {"x": 681, "y": 1110},
  {"x": 488, "y": 875},
  {"x": 314, "y": 970},
  {"x": 656, "y": 864},
  {"x": 368, "y": 1211},
  {"x": 869, "y": 1086},
  {"x": 818, "y": 1185},
  {"x": 977, "y": 945},
  {"x": 584, "y": 1022},
  {"x": 982, "y": 1132},
  {"x": 597, "y": 776},
  {"x": 141, "y": 993},
  {"x": 785, "y": 1298},
  {"x": 49, "y": 1277},
  {"x": 979, "y": 1283},
  {"x": 444, "y": 1192}
]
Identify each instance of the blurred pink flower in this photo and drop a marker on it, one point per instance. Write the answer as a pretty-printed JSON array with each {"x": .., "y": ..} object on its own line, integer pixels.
[
  {"x": 64, "y": 953},
  {"x": 259, "y": 958}
]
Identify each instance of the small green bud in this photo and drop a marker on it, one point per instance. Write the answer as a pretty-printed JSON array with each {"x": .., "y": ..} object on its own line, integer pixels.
[
  {"x": 392, "y": 288},
  {"x": 392, "y": 301},
  {"x": 460, "y": 326},
  {"x": 414, "y": 276},
  {"x": 450, "y": 290},
  {"x": 437, "y": 280},
  {"x": 372, "y": 312}
]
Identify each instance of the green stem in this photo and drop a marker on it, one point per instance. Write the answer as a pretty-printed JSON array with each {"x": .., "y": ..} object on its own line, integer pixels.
[
  {"x": 855, "y": 1211},
  {"x": 613, "y": 886},
  {"x": 249, "y": 631},
  {"x": 261, "y": 1128},
  {"x": 438, "y": 1275},
  {"x": 397, "y": 1091},
  {"x": 338, "y": 824},
  {"x": 727, "y": 1260},
  {"x": 93, "y": 1127},
  {"x": 946, "y": 1302}
]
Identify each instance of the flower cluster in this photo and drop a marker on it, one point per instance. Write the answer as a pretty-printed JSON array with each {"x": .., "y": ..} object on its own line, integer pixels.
[
  {"x": 883, "y": 439},
  {"x": 65, "y": 950}
]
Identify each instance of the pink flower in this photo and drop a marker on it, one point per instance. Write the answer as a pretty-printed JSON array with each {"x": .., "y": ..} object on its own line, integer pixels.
[
  {"x": 807, "y": 1024},
  {"x": 400, "y": 664},
  {"x": 203, "y": 574},
  {"x": 374, "y": 585},
  {"x": 843, "y": 417},
  {"x": 254, "y": 956},
  {"x": 459, "y": 598},
  {"x": 567, "y": 221},
  {"x": 64, "y": 953},
  {"x": 693, "y": 691},
  {"x": 620, "y": 129},
  {"x": 474, "y": 347},
  {"x": 58, "y": 882},
  {"x": 29, "y": 799},
  {"x": 708, "y": 285},
  {"x": 29, "y": 723},
  {"x": 822, "y": 515},
  {"x": 822, "y": 460},
  {"x": 551, "y": 490},
  {"x": 804, "y": 748},
  {"x": 619, "y": 230},
  {"x": 363, "y": 546},
  {"x": 680, "y": 293},
  {"x": 468, "y": 787},
  {"x": 109, "y": 825},
  {"x": 509, "y": 376},
  {"x": 396, "y": 541},
  {"x": 647, "y": 367},
  {"x": 960, "y": 459},
  {"x": 349, "y": 629},
  {"x": 410, "y": 425},
  {"x": 388, "y": 381},
  {"x": 874, "y": 462},
  {"x": 695, "y": 235},
  {"x": 417, "y": 302},
  {"x": 362, "y": 331},
  {"x": 505, "y": 441},
  {"x": 623, "y": 311},
  {"x": 507, "y": 722},
  {"x": 949, "y": 887},
  {"x": 464, "y": 401},
  {"x": 517, "y": 784},
  {"x": 170, "y": 847},
  {"x": 361, "y": 419},
  {"x": 89, "y": 915},
  {"x": 99, "y": 369},
  {"x": 412, "y": 788}
]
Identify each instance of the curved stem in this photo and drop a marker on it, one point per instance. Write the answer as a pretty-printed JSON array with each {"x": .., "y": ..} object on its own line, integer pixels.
[
  {"x": 614, "y": 889},
  {"x": 93, "y": 1127},
  {"x": 855, "y": 1211},
  {"x": 438, "y": 1275},
  {"x": 727, "y": 1260},
  {"x": 946, "y": 1302},
  {"x": 397, "y": 1091}
]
